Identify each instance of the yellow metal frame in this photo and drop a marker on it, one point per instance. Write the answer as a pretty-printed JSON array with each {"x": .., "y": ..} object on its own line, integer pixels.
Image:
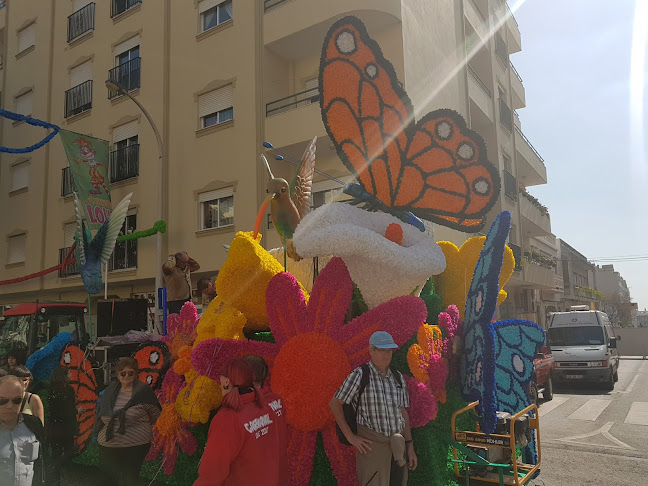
[{"x": 518, "y": 468}]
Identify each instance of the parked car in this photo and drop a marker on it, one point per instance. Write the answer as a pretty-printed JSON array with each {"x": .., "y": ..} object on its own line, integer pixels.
[{"x": 543, "y": 371}]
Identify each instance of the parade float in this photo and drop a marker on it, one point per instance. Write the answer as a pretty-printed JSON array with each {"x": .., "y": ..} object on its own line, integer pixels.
[{"x": 382, "y": 272}]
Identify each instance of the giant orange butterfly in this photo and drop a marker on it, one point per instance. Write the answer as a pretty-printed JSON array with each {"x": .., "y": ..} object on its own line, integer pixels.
[
  {"x": 436, "y": 168},
  {"x": 153, "y": 360}
]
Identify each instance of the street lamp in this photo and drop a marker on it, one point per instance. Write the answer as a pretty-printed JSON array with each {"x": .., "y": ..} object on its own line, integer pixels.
[{"x": 116, "y": 87}]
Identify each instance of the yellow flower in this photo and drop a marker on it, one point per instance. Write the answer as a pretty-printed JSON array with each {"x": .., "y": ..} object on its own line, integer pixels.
[
  {"x": 196, "y": 400},
  {"x": 452, "y": 285},
  {"x": 220, "y": 320}
]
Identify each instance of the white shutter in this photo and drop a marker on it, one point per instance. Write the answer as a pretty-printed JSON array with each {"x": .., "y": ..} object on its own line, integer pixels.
[
  {"x": 16, "y": 249},
  {"x": 311, "y": 83},
  {"x": 26, "y": 37},
  {"x": 207, "y": 4},
  {"x": 216, "y": 100},
  {"x": 79, "y": 4},
  {"x": 80, "y": 74},
  {"x": 127, "y": 45},
  {"x": 217, "y": 194},
  {"x": 68, "y": 234},
  {"x": 19, "y": 176},
  {"x": 24, "y": 103},
  {"x": 127, "y": 130}
]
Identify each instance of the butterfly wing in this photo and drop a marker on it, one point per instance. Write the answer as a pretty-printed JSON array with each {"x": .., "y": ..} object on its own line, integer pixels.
[
  {"x": 84, "y": 384},
  {"x": 478, "y": 357},
  {"x": 437, "y": 169},
  {"x": 153, "y": 360}
]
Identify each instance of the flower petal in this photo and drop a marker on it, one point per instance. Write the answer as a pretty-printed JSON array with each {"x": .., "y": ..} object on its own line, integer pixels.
[
  {"x": 301, "y": 451},
  {"x": 423, "y": 404},
  {"x": 342, "y": 458},
  {"x": 330, "y": 298},
  {"x": 400, "y": 317},
  {"x": 286, "y": 307},
  {"x": 210, "y": 357}
]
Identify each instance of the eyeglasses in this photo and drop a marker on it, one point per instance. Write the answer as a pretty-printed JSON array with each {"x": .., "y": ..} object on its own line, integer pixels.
[
  {"x": 15, "y": 400},
  {"x": 124, "y": 374}
]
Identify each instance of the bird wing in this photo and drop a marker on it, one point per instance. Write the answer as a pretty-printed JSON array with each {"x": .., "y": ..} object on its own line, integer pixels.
[
  {"x": 81, "y": 240},
  {"x": 104, "y": 241},
  {"x": 302, "y": 185}
]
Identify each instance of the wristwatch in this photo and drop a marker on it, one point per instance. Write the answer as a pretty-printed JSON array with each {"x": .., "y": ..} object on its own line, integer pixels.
[{"x": 409, "y": 441}]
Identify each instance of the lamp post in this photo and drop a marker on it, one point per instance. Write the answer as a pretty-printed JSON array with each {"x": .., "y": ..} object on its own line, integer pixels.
[{"x": 114, "y": 86}]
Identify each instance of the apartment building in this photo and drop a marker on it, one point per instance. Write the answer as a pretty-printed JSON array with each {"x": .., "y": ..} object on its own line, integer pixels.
[{"x": 219, "y": 77}]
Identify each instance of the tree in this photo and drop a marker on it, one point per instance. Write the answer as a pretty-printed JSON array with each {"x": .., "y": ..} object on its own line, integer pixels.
[{"x": 619, "y": 308}]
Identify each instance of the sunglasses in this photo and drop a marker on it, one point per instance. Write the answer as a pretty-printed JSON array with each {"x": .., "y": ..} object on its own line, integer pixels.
[
  {"x": 124, "y": 374},
  {"x": 15, "y": 400}
]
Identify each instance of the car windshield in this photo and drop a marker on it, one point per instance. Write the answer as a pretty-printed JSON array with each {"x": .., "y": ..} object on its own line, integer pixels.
[
  {"x": 14, "y": 332},
  {"x": 576, "y": 336}
]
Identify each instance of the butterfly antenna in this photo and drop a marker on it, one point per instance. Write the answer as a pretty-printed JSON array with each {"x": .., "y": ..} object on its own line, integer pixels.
[{"x": 267, "y": 166}]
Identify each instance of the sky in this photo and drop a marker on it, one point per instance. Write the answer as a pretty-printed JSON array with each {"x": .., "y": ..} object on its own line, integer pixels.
[{"x": 583, "y": 65}]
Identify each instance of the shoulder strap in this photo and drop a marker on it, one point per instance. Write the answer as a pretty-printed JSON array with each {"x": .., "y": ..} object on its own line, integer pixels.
[
  {"x": 397, "y": 376},
  {"x": 25, "y": 401},
  {"x": 34, "y": 424},
  {"x": 364, "y": 380}
]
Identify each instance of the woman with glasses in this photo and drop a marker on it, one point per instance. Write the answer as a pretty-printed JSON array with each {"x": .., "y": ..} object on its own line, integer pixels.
[
  {"x": 21, "y": 437},
  {"x": 126, "y": 413}
]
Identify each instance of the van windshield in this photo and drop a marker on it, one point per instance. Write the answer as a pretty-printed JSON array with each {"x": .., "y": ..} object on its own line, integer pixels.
[{"x": 576, "y": 336}]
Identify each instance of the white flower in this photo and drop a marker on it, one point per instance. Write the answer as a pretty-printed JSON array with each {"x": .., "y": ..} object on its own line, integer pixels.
[{"x": 381, "y": 268}]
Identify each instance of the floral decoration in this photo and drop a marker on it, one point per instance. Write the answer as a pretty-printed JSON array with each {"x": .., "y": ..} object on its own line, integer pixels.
[
  {"x": 451, "y": 325},
  {"x": 380, "y": 267},
  {"x": 423, "y": 404},
  {"x": 181, "y": 329},
  {"x": 197, "y": 399},
  {"x": 220, "y": 320},
  {"x": 313, "y": 353},
  {"x": 426, "y": 363},
  {"x": 453, "y": 284},
  {"x": 303, "y": 269},
  {"x": 42, "y": 362}
]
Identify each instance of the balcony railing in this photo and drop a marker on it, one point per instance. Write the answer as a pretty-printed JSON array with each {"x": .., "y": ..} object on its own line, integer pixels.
[
  {"x": 127, "y": 75},
  {"x": 70, "y": 269},
  {"x": 505, "y": 115},
  {"x": 78, "y": 99},
  {"x": 516, "y": 73},
  {"x": 294, "y": 101},
  {"x": 517, "y": 254},
  {"x": 124, "y": 163},
  {"x": 501, "y": 49},
  {"x": 529, "y": 143},
  {"x": 81, "y": 22},
  {"x": 124, "y": 256},
  {"x": 479, "y": 82},
  {"x": 510, "y": 185},
  {"x": 268, "y": 4},
  {"x": 120, "y": 6},
  {"x": 67, "y": 182}
]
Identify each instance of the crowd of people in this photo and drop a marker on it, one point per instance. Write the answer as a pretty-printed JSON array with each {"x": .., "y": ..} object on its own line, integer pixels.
[{"x": 247, "y": 441}]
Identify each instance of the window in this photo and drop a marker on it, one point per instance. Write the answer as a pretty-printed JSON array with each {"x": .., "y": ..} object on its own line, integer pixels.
[
  {"x": 26, "y": 38},
  {"x": 79, "y": 97},
  {"x": 124, "y": 157},
  {"x": 217, "y": 208},
  {"x": 19, "y": 176},
  {"x": 127, "y": 65},
  {"x": 16, "y": 248},
  {"x": 312, "y": 90},
  {"x": 216, "y": 106},
  {"x": 125, "y": 254},
  {"x": 82, "y": 20},
  {"x": 213, "y": 13},
  {"x": 24, "y": 103},
  {"x": 120, "y": 6}
]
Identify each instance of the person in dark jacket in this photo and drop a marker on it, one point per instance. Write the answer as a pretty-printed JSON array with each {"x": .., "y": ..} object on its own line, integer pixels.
[{"x": 61, "y": 424}]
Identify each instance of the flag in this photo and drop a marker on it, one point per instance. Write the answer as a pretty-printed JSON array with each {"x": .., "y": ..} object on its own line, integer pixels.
[{"x": 88, "y": 159}]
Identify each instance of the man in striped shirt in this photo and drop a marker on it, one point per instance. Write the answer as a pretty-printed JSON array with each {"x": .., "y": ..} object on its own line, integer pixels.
[{"x": 383, "y": 440}]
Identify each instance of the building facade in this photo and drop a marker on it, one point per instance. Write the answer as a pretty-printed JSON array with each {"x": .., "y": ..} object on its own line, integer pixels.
[{"x": 218, "y": 78}]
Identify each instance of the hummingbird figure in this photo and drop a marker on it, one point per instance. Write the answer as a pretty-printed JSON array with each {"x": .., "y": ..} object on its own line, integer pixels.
[
  {"x": 289, "y": 203},
  {"x": 91, "y": 252}
]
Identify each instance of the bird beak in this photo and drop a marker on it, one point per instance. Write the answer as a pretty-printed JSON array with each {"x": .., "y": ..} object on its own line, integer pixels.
[{"x": 259, "y": 218}]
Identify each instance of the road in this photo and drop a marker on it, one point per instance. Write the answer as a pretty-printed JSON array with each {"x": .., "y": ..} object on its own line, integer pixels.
[{"x": 592, "y": 437}]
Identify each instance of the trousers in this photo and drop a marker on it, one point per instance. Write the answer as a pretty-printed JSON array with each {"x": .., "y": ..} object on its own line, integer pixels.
[
  {"x": 121, "y": 465},
  {"x": 384, "y": 464}
]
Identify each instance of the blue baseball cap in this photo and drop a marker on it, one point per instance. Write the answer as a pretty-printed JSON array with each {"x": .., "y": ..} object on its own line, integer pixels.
[{"x": 382, "y": 340}]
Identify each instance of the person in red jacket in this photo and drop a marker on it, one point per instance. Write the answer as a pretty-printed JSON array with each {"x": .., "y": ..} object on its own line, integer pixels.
[{"x": 242, "y": 443}]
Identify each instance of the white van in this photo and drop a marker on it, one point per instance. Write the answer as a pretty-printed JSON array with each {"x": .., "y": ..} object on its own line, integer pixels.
[{"x": 584, "y": 347}]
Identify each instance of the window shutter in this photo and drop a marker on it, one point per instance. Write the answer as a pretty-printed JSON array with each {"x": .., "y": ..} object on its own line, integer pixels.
[
  {"x": 216, "y": 100},
  {"x": 311, "y": 83},
  {"x": 207, "y": 4},
  {"x": 217, "y": 194},
  {"x": 24, "y": 103},
  {"x": 16, "y": 250},
  {"x": 79, "y": 4},
  {"x": 19, "y": 176},
  {"x": 127, "y": 45},
  {"x": 68, "y": 234},
  {"x": 127, "y": 130},
  {"x": 27, "y": 37},
  {"x": 80, "y": 74}
]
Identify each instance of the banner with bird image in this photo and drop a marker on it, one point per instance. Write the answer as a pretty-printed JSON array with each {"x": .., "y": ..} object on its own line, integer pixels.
[{"x": 88, "y": 159}]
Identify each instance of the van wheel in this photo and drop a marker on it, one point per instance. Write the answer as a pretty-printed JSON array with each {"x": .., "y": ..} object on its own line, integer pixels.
[
  {"x": 533, "y": 392},
  {"x": 615, "y": 376},
  {"x": 609, "y": 385},
  {"x": 547, "y": 394}
]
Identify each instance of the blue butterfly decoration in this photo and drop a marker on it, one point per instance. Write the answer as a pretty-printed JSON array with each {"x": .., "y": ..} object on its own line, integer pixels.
[{"x": 497, "y": 361}]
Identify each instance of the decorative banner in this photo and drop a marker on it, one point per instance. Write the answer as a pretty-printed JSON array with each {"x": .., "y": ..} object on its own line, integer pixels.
[{"x": 88, "y": 158}]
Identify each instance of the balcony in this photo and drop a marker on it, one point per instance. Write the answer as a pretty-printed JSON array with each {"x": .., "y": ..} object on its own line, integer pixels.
[
  {"x": 124, "y": 256},
  {"x": 118, "y": 7},
  {"x": 80, "y": 22},
  {"x": 505, "y": 115},
  {"x": 535, "y": 221},
  {"x": 501, "y": 50},
  {"x": 517, "y": 254},
  {"x": 517, "y": 89},
  {"x": 510, "y": 185},
  {"x": 559, "y": 284},
  {"x": 124, "y": 163},
  {"x": 126, "y": 75},
  {"x": 531, "y": 169},
  {"x": 480, "y": 94},
  {"x": 78, "y": 99},
  {"x": 67, "y": 182},
  {"x": 300, "y": 111},
  {"x": 477, "y": 20},
  {"x": 515, "y": 40},
  {"x": 297, "y": 100},
  {"x": 70, "y": 270},
  {"x": 538, "y": 275}
]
